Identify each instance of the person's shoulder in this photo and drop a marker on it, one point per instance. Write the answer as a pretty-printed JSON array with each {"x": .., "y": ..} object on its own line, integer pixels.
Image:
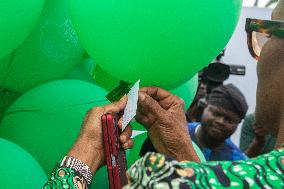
[
  {"x": 231, "y": 144},
  {"x": 193, "y": 125},
  {"x": 237, "y": 153},
  {"x": 192, "y": 128}
]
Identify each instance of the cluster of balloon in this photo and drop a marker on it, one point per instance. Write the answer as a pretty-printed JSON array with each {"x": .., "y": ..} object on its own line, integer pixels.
[
  {"x": 46, "y": 120},
  {"x": 18, "y": 168},
  {"x": 50, "y": 52},
  {"x": 163, "y": 43},
  {"x": 160, "y": 42},
  {"x": 17, "y": 19}
]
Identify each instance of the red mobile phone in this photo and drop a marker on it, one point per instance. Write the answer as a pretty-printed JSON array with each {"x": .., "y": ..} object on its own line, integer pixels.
[{"x": 115, "y": 155}]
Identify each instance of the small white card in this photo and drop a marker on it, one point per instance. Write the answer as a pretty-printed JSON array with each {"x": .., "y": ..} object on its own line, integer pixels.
[{"x": 131, "y": 106}]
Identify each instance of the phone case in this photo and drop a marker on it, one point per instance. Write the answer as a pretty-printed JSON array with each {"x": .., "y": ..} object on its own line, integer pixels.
[{"x": 115, "y": 155}]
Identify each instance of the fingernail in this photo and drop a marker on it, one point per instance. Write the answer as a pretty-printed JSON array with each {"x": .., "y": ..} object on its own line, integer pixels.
[
  {"x": 122, "y": 138},
  {"x": 125, "y": 145},
  {"x": 119, "y": 122},
  {"x": 141, "y": 96}
]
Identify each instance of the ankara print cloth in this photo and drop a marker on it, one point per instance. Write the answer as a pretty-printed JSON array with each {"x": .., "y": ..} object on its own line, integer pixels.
[
  {"x": 157, "y": 171},
  {"x": 62, "y": 178}
]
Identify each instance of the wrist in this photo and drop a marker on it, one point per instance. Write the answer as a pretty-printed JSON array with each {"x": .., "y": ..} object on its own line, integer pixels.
[
  {"x": 188, "y": 153},
  {"x": 88, "y": 154}
]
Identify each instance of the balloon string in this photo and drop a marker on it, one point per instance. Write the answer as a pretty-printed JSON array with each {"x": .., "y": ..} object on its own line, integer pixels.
[{"x": 58, "y": 107}]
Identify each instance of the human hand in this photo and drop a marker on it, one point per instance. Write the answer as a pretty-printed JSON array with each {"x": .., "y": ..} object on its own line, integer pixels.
[
  {"x": 89, "y": 146},
  {"x": 162, "y": 114},
  {"x": 260, "y": 133}
]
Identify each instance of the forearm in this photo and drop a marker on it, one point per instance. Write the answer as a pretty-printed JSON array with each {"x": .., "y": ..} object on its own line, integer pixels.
[
  {"x": 88, "y": 154},
  {"x": 76, "y": 170}
]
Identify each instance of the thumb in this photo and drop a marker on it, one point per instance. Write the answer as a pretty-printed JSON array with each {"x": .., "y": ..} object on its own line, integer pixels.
[{"x": 150, "y": 105}]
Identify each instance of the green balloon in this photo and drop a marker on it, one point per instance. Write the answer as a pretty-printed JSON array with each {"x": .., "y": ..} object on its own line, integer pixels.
[
  {"x": 6, "y": 99},
  {"x": 187, "y": 90},
  {"x": 133, "y": 154},
  {"x": 83, "y": 71},
  {"x": 162, "y": 42},
  {"x": 101, "y": 179},
  {"x": 50, "y": 52},
  {"x": 105, "y": 80},
  {"x": 47, "y": 119},
  {"x": 17, "y": 19},
  {"x": 18, "y": 168}
]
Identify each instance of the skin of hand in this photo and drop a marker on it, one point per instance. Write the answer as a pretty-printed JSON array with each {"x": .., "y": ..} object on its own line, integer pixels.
[
  {"x": 162, "y": 114},
  {"x": 260, "y": 133},
  {"x": 89, "y": 146},
  {"x": 255, "y": 148}
]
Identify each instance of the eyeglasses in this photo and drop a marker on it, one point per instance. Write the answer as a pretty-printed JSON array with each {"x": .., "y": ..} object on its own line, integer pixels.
[{"x": 259, "y": 32}]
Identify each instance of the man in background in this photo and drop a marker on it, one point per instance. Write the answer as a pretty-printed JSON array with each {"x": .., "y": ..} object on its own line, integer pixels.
[{"x": 226, "y": 107}]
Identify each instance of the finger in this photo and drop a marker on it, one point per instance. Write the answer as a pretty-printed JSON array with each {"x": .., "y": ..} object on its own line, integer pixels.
[
  {"x": 93, "y": 114},
  {"x": 126, "y": 134},
  {"x": 119, "y": 123},
  {"x": 156, "y": 93},
  {"x": 128, "y": 144},
  {"x": 139, "y": 109},
  {"x": 144, "y": 120},
  {"x": 262, "y": 133},
  {"x": 259, "y": 129},
  {"x": 166, "y": 99},
  {"x": 116, "y": 107},
  {"x": 150, "y": 106}
]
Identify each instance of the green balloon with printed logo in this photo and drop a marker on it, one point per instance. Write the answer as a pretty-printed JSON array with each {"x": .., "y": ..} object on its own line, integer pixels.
[
  {"x": 19, "y": 169},
  {"x": 50, "y": 52},
  {"x": 162, "y": 42},
  {"x": 17, "y": 19}
]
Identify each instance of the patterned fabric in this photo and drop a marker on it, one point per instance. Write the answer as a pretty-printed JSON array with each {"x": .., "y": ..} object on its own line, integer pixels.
[
  {"x": 157, "y": 171},
  {"x": 65, "y": 178},
  {"x": 229, "y": 151},
  {"x": 79, "y": 166},
  {"x": 247, "y": 136}
]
